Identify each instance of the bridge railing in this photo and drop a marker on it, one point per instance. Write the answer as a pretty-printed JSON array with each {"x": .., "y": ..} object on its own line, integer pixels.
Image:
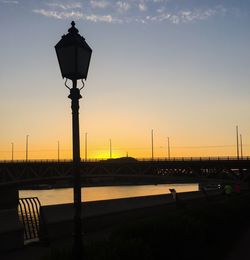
[{"x": 208, "y": 158}]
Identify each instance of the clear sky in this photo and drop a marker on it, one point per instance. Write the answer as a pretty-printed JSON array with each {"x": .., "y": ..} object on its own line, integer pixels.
[{"x": 179, "y": 67}]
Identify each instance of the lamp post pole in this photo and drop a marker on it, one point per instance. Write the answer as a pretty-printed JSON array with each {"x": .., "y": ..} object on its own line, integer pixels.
[
  {"x": 74, "y": 55},
  {"x": 77, "y": 243}
]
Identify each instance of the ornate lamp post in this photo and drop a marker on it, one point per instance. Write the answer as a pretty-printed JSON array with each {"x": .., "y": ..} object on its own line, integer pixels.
[{"x": 74, "y": 55}]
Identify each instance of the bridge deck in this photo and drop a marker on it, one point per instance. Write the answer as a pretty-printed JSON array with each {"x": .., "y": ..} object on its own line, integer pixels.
[{"x": 229, "y": 168}]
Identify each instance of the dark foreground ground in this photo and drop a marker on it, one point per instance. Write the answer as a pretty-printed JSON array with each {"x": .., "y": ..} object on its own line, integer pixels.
[{"x": 208, "y": 228}]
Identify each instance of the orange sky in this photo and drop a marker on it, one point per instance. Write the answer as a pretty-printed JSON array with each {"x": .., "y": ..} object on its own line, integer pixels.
[
  {"x": 185, "y": 76},
  {"x": 99, "y": 148}
]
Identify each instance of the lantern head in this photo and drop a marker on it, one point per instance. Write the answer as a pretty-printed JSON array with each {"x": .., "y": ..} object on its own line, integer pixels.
[{"x": 73, "y": 54}]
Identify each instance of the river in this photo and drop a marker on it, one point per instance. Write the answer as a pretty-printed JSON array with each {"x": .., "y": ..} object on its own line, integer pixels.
[{"x": 65, "y": 195}]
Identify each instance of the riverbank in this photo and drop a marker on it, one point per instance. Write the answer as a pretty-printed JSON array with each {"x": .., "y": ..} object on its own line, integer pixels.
[
  {"x": 198, "y": 229},
  {"x": 100, "y": 225},
  {"x": 202, "y": 230},
  {"x": 201, "y": 227},
  {"x": 99, "y": 215}
]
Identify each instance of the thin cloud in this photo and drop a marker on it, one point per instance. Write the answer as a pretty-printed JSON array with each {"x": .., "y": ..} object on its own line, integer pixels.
[
  {"x": 77, "y": 15},
  {"x": 131, "y": 11},
  {"x": 122, "y": 6},
  {"x": 59, "y": 15},
  {"x": 100, "y": 18},
  {"x": 160, "y": 10},
  {"x": 185, "y": 16},
  {"x": 76, "y": 5},
  {"x": 9, "y": 2},
  {"x": 142, "y": 7},
  {"x": 99, "y": 4}
]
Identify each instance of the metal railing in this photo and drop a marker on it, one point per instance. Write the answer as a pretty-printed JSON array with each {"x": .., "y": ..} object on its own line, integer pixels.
[
  {"x": 196, "y": 158},
  {"x": 31, "y": 218}
]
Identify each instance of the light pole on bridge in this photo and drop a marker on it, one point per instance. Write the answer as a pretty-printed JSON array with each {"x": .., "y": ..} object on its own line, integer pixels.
[
  {"x": 12, "y": 152},
  {"x": 241, "y": 148},
  {"x": 237, "y": 142},
  {"x": 27, "y": 147},
  {"x": 86, "y": 146},
  {"x": 110, "y": 148},
  {"x": 168, "y": 149},
  {"x": 58, "y": 151},
  {"x": 152, "y": 144},
  {"x": 74, "y": 55}
]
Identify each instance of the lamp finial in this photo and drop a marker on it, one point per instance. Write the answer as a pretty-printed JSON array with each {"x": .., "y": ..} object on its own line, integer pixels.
[{"x": 73, "y": 29}]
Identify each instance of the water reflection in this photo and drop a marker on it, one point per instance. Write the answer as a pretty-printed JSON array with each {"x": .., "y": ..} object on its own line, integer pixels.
[{"x": 60, "y": 196}]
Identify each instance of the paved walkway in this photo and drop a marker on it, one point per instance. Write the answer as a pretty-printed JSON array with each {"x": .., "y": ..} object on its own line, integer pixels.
[{"x": 30, "y": 252}]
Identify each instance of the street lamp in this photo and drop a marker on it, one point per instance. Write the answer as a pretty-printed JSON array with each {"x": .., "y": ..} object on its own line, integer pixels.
[{"x": 73, "y": 55}]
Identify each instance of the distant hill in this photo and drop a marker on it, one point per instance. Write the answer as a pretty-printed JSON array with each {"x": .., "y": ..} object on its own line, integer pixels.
[{"x": 122, "y": 159}]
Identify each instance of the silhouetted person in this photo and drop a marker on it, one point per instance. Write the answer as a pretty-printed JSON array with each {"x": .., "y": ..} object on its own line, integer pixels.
[{"x": 178, "y": 202}]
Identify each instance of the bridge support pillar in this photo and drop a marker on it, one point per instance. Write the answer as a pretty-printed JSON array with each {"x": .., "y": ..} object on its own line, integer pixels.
[{"x": 11, "y": 230}]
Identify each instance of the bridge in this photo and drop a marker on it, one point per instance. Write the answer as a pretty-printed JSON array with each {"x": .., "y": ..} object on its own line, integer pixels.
[{"x": 199, "y": 168}]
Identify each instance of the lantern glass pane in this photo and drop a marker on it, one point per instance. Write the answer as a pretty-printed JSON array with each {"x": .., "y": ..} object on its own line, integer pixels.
[
  {"x": 83, "y": 61},
  {"x": 67, "y": 61}
]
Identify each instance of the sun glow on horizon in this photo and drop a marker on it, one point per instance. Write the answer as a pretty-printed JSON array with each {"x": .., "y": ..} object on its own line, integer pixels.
[
  {"x": 105, "y": 154},
  {"x": 93, "y": 153}
]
